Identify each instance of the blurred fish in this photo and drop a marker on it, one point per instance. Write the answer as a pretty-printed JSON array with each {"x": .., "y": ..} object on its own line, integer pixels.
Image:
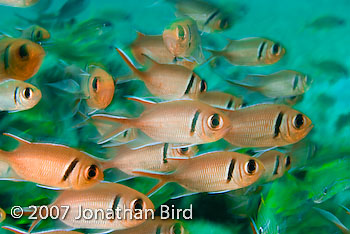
[
  {"x": 156, "y": 226},
  {"x": 21, "y": 58},
  {"x": 221, "y": 100},
  {"x": 212, "y": 172},
  {"x": 180, "y": 121},
  {"x": 332, "y": 67},
  {"x": 332, "y": 218},
  {"x": 16, "y": 95},
  {"x": 52, "y": 165},
  {"x": 280, "y": 84},
  {"x": 35, "y": 33},
  {"x": 209, "y": 18},
  {"x": 289, "y": 101},
  {"x": 182, "y": 40},
  {"x": 72, "y": 8},
  {"x": 267, "y": 125},
  {"x": 327, "y": 22},
  {"x": 253, "y": 51},
  {"x": 168, "y": 81},
  {"x": 2, "y": 215},
  {"x": 18, "y": 231},
  {"x": 92, "y": 28},
  {"x": 108, "y": 197},
  {"x": 18, "y": 3},
  {"x": 159, "y": 157}
]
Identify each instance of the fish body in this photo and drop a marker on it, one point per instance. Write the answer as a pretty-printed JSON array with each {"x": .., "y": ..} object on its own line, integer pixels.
[
  {"x": 251, "y": 52},
  {"x": 221, "y": 100},
  {"x": 18, "y": 3},
  {"x": 16, "y": 95},
  {"x": 20, "y": 58},
  {"x": 180, "y": 121},
  {"x": 327, "y": 22},
  {"x": 280, "y": 84},
  {"x": 267, "y": 125},
  {"x": 214, "y": 172},
  {"x": 53, "y": 165},
  {"x": 168, "y": 81},
  {"x": 159, "y": 157},
  {"x": 35, "y": 33},
  {"x": 182, "y": 39}
]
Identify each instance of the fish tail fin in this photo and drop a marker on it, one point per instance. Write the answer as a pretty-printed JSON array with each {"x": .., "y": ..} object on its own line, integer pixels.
[
  {"x": 128, "y": 61},
  {"x": 332, "y": 218},
  {"x": 162, "y": 177},
  {"x": 14, "y": 230}
]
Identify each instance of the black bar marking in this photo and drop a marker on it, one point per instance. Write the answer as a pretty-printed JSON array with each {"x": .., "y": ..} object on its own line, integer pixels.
[
  {"x": 116, "y": 202},
  {"x": 189, "y": 86},
  {"x": 261, "y": 49},
  {"x": 230, "y": 170},
  {"x": 125, "y": 134},
  {"x": 277, "y": 163},
  {"x": 295, "y": 82},
  {"x": 194, "y": 121},
  {"x": 6, "y": 57},
  {"x": 15, "y": 95},
  {"x": 165, "y": 152},
  {"x": 211, "y": 17},
  {"x": 159, "y": 229},
  {"x": 229, "y": 104},
  {"x": 70, "y": 169},
  {"x": 278, "y": 124}
]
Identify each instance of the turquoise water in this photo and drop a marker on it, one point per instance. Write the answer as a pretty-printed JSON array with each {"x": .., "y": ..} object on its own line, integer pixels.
[{"x": 322, "y": 53}]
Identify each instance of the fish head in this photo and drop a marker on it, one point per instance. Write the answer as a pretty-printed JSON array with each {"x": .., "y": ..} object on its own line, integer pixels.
[
  {"x": 295, "y": 126},
  {"x": 199, "y": 86},
  {"x": 40, "y": 34},
  {"x": 182, "y": 152},
  {"x": 100, "y": 88},
  {"x": 274, "y": 52},
  {"x": 220, "y": 22},
  {"x": 26, "y": 96},
  {"x": 88, "y": 174},
  {"x": 275, "y": 163},
  {"x": 248, "y": 171},
  {"x": 25, "y": 58},
  {"x": 171, "y": 226},
  {"x": 306, "y": 82}
]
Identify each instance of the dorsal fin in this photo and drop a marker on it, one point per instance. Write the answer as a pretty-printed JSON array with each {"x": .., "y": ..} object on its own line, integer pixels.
[
  {"x": 144, "y": 102},
  {"x": 14, "y": 230},
  {"x": 17, "y": 138},
  {"x": 139, "y": 35}
]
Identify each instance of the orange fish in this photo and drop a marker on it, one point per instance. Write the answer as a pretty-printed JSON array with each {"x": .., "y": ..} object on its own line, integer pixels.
[
  {"x": 251, "y": 52},
  {"x": 21, "y": 58},
  {"x": 168, "y": 81},
  {"x": 221, "y": 100},
  {"x": 108, "y": 198},
  {"x": 35, "y": 33},
  {"x": 180, "y": 121},
  {"x": 18, "y": 3},
  {"x": 267, "y": 125},
  {"x": 53, "y": 165},
  {"x": 159, "y": 157},
  {"x": 212, "y": 172}
]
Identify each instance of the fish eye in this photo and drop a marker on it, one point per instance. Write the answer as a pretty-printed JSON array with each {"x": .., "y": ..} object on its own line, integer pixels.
[
  {"x": 223, "y": 23},
  {"x": 177, "y": 228},
  {"x": 298, "y": 121},
  {"x": 251, "y": 167},
  {"x": 38, "y": 34},
  {"x": 28, "y": 93},
  {"x": 95, "y": 83},
  {"x": 325, "y": 191},
  {"x": 204, "y": 86},
  {"x": 91, "y": 172},
  {"x": 183, "y": 150},
  {"x": 276, "y": 49},
  {"x": 180, "y": 32},
  {"x": 137, "y": 204},
  {"x": 215, "y": 122},
  {"x": 261, "y": 230},
  {"x": 287, "y": 161},
  {"x": 23, "y": 52}
]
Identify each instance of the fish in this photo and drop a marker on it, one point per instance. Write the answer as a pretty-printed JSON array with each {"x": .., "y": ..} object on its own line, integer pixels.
[
  {"x": 21, "y": 58},
  {"x": 182, "y": 39},
  {"x": 333, "y": 219},
  {"x": 159, "y": 157},
  {"x": 153, "y": 46},
  {"x": 156, "y": 226},
  {"x": 108, "y": 198},
  {"x": 52, "y": 165},
  {"x": 279, "y": 84},
  {"x": 72, "y": 8},
  {"x": 2, "y": 215},
  {"x": 35, "y": 33},
  {"x": 327, "y": 22},
  {"x": 289, "y": 101},
  {"x": 18, "y": 3},
  {"x": 267, "y": 125},
  {"x": 16, "y": 95},
  {"x": 208, "y": 17},
  {"x": 254, "y": 51},
  {"x": 179, "y": 121},
  {"x": 92, "y": 28},
  {"x": 168, "y": 81},
  {"x": 18, "y": 231},
  {"x": 212, "y": 172},
  {"x": 221, "y": 100}
]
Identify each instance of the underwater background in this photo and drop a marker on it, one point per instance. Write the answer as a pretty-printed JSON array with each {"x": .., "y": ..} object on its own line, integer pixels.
[{"x": 290, "y": 204}]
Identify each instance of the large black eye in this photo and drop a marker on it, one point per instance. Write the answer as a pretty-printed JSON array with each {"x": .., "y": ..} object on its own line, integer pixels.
[
  {"x": 203, "y": 86},
  {"x": 215, "y": 121},
  {"x": 224, "y": 23},
  {"x": 95, "y": 83},
  {"x": 177, "y": 229},
  {"x": 137, "y": 204},
  {"x": 28, "y": 92},
  {"x": 92, "y": 172},
  {"x": 23, "y": 52},
  {"x": 287, "y": 161},
  {"x": 298, "y": 121},
  {"x": 261, "y": 230},
  {"x": 38, "y": 35},
  {"x": 276, "y": 48},
  {"x": 184, "y": 150},
  {"x": 180, "y": 32},
  {"x": 251, "y": 167}
]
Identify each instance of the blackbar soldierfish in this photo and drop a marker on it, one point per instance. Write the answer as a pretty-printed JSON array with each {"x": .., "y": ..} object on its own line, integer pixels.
[
  {"x": 280, "y": 84},
  {"x": 168, "y": 81},
  {"x": 16, "y": 95},
  {"x": 18, "y": 3},
  {"x": 251, "y": 52},
  {"x": 267, "y": 125},
  {"x": 108, "y": 198},
  {"x": 53, "y": 165},
  {"x": 212, "y": 172},
  {"x": 179, "y": 121},
  {"x": 221, "y": 100},
  {"x": 35, "y": 33},
  {"x": 159, "y": 157},
  {"x": 21, "y": 58}
]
